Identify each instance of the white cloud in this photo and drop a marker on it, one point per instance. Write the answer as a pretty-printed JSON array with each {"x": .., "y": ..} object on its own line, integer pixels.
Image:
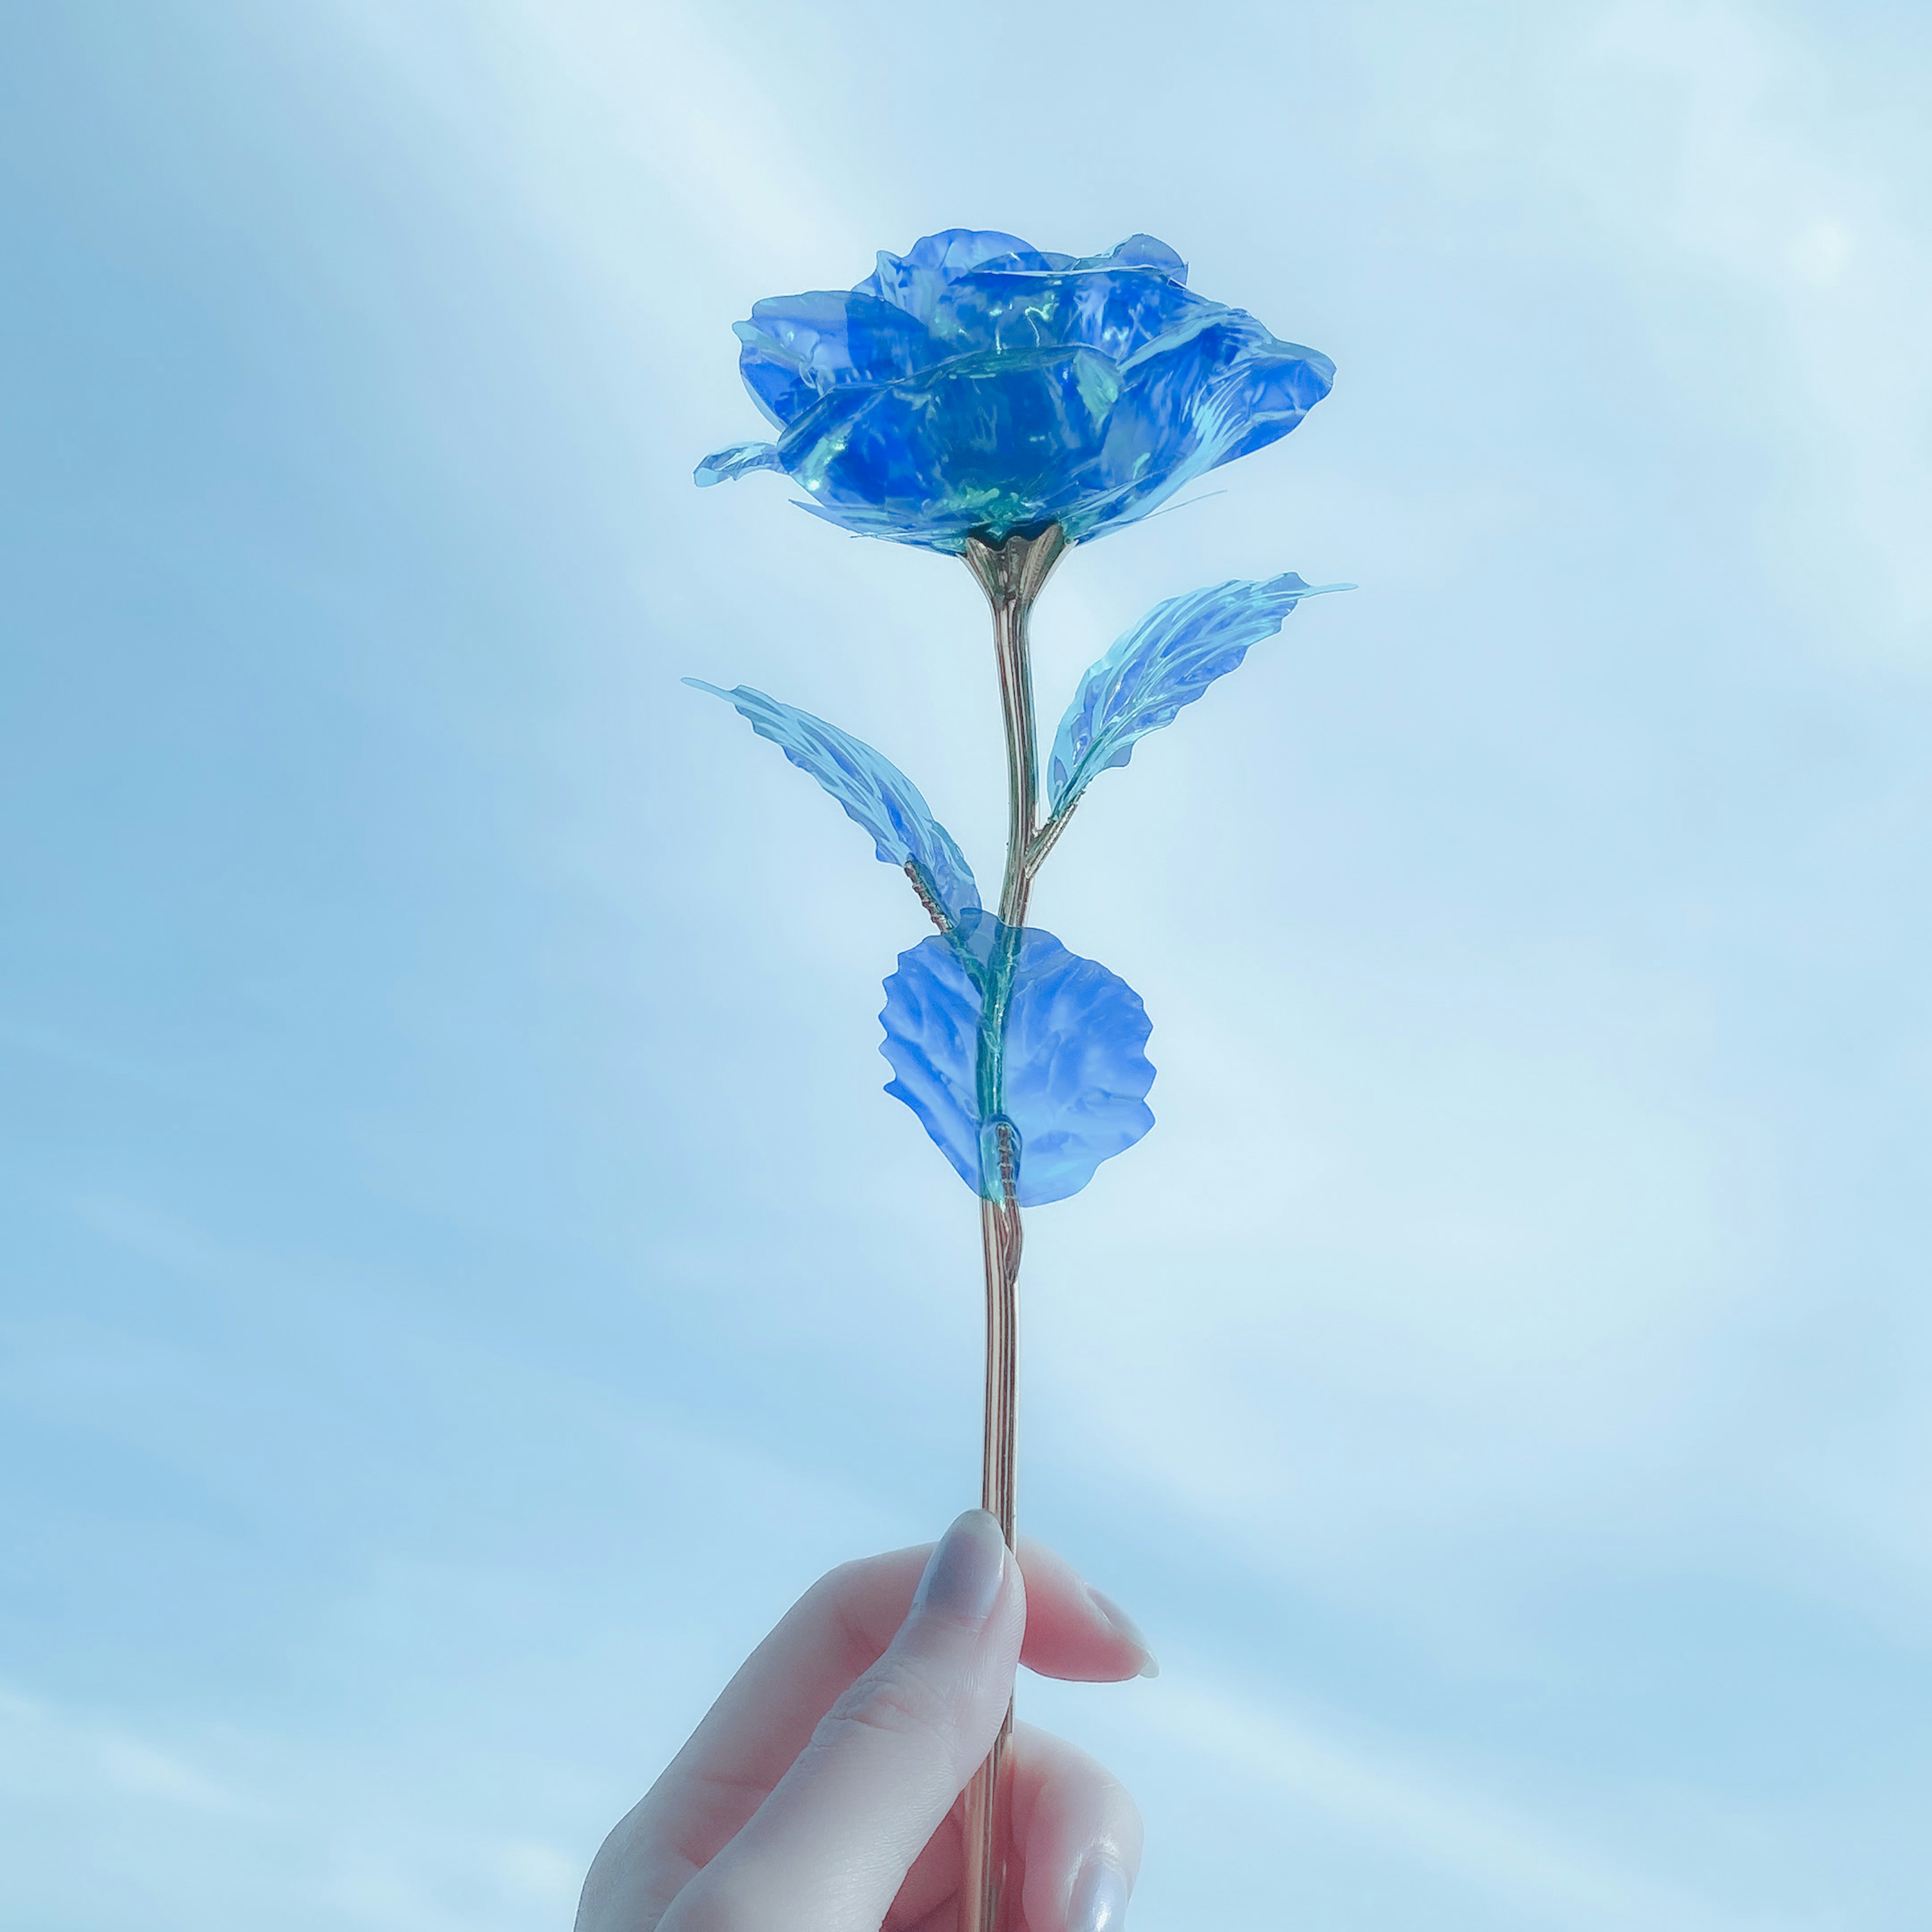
[
  {"x": 631, "y": 134},
  {"x": 1430, "y": 1816},
  {"x": 1731, "y": 150},
  {"x": 47, "y": 1752},
  {"x": 542, "y": 1871}
]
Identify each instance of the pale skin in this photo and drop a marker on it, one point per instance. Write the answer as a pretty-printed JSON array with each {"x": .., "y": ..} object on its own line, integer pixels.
[{"x": 821, "y": 1792}]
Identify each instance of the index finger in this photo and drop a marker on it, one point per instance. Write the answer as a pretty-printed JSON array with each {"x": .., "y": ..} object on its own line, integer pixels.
[
  {"x": 837, "y": 1630},
  {"x": 840, "y": 1626},
  {"x": 829, "y": 1850}
]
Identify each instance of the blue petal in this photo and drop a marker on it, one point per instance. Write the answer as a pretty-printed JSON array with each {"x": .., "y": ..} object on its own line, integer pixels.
[
  {"x": 1117, "y": 310},
  {"x": 873, "y": 791},
  {"x": 915, "y": 280},
  {"x": 983, "y": 442},
  {"x": 796, "y": 348},
  {"x": 1138, "y": 251},
  {"x": 1239, "y": 386},
  {"x": 978, "y": 385},
  {"x": 1212, "y": 389},
  {"x": 1166, "y": 660},
  {"x": 1076, "y": 1074},
  {"x": 1007, "y": 440},
  {"x": 736, "y": 460}
]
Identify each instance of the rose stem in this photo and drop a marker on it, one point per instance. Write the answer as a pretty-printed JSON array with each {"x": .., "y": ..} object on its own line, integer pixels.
[{"x": 1011, "y": 573}]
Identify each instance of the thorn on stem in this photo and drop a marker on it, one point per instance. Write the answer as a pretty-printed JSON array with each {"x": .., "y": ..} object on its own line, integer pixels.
[{"x": 934, "y": 910}]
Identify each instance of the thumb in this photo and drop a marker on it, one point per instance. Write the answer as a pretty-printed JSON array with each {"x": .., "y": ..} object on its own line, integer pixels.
[{"x": 828, "y": 1849}]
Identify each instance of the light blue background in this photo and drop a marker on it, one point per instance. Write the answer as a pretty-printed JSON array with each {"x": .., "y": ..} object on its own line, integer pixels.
[{"x": 461, "y": 1279}]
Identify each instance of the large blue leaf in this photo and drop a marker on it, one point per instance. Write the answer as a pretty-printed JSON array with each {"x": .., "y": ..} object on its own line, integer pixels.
[
  {"x": 873, "y": 790},
  {"x": 1167, "y": 660},
  {"x": 1073, "y": 1077}
]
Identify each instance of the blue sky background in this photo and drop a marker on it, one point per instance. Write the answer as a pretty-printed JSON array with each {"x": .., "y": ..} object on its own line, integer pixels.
[{"x": 461, "y": 1279}]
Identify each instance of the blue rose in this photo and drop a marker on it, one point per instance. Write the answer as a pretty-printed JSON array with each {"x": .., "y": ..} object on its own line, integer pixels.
[{"x": 977, "y": 386}]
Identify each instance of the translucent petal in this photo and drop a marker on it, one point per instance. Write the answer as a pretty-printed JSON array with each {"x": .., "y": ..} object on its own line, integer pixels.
[
  {"x": 915, "y": 280},
  {"x": 1215, "y": 372},
  {"x": 988, "y": 441},
  {"x": 736, "y": 460},
  {"x": 873, "y": 790},
  {"x": 1116, "y": 310},
  {"x": 1210, "y": 391},
  {"x": 1166, "y": 660},
  {"x": 1138, "y": 251},
  {"x": 977, "y": 385},
  {"x": 798, "y": 347},
  {"x": 1264, "y": 393},
  {"x": 1074, "y": 1074}
]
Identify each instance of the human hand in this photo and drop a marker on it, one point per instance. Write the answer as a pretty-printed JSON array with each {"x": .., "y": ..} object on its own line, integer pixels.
[{"x": 820, "y": 1794}]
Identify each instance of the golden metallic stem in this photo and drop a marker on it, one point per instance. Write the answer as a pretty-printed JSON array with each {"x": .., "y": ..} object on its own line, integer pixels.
[
  {"x": 989, "y": 1818},
  {"x": 1011, "y": 573}
]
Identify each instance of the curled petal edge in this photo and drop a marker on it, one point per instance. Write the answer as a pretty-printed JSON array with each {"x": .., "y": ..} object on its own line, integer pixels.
[{"x": 734, "y": 460}]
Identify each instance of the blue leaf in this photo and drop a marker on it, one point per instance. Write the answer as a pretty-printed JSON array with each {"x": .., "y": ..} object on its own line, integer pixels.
[
  {"x": 1071, "y": 1074},
  {"x": 873, "y": 791},
  {"x": 1167, "y": 660}
]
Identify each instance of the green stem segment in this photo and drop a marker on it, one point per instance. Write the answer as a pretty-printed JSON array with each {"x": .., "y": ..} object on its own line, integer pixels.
[{"x": 1012, "y": 574}]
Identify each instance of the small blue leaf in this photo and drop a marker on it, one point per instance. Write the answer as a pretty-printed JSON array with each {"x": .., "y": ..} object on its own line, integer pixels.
[
  {"x": 1167, "y": 660},
  {"x": 873, "y": 791},
  {"x": 1074, "y": 1075}
]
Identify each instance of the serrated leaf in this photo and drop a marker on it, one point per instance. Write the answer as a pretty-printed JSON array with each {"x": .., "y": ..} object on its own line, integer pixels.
[
  {"x": 874, "y": 792},
  {"x": 1166, "y": 660},
  {"x": 1074, "y": 1075}
]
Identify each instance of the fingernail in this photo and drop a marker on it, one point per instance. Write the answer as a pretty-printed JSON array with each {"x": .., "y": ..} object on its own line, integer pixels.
[
  {"x": 964, "y": 1574},
  {"x": 1099, "y": 1900},
  {"x": 1125, "y": 1627}
]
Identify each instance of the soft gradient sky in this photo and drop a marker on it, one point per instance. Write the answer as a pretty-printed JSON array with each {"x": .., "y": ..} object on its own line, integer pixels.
[{"x": 461, "y": 1279}]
